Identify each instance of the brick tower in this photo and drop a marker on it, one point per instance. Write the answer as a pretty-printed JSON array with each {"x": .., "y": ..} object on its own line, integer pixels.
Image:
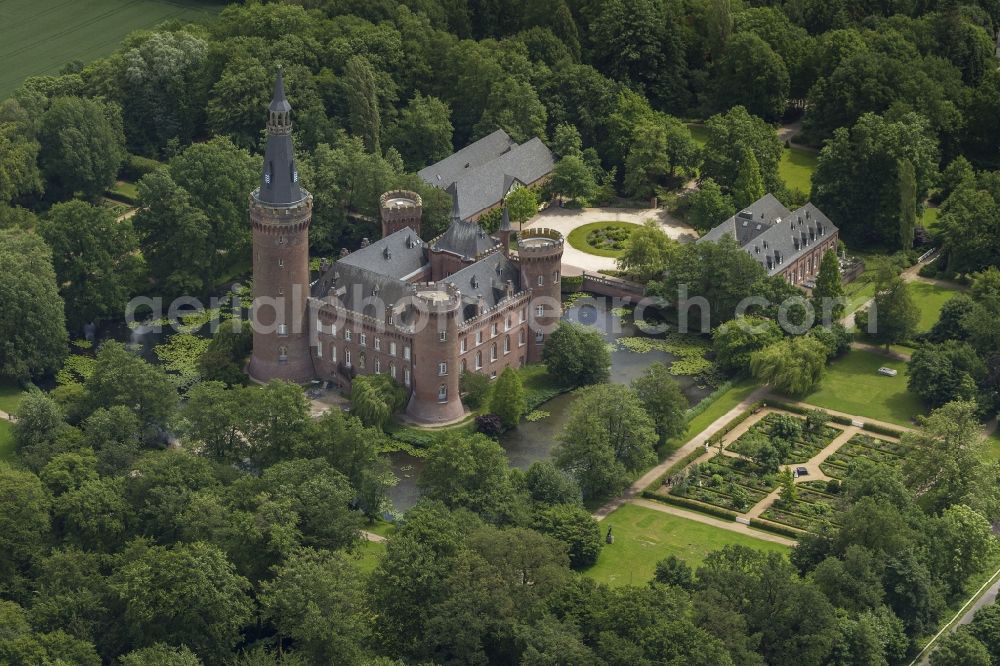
[
  {"x": 435, "y": 396},
  {"x": 540, "y": 254},
  {"x": 400, "y": 209},
  {"x": 280, "y": 213}
]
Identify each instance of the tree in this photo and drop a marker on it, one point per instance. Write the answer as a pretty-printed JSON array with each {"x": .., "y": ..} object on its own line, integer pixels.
[
  {"x": 672, "y": 570},
  {"x": 513, "y": 106},
  {"x": 980, "y": 322},
  {"x": 422, "y": 135},
  {"x": 218, "y": 176},
  {"x": 469, "y": 472},
  {"x": 566, "y": 140},
  {"x": 985, "y": 626},
  {"x": 94, "y": 516},
  {"x": 647, "y": 162},
  {"x": 951, "y": 320},
  {"x": 646, "y": 251},
  {"x": 828, "y": 294},
  {"x": 225, "y": 357},
  {"x": 962, "y": 545},
  {"x": 572, "y": 525},
  {"x": 572, "y": 178},
  {"x": 475, "y": 387},
  {"x": 734, "y": 341},
  {"x": 164, "y": 87},
  {"x": 788, "y": 492},
  {"x": 721, "y": 273},
  {"x": 363, "y": 102},
  {"x": 945, "y": 372},
  {"x": 186, "y": 595},
  {"x": 161, "y": 655},
  {"x": 893, "y": 316},
  {"x": 967, "y": 228},
  {"x": 663, "y": 400},
  {"x": 708, "y": 207},
  {"x": 507, "y": 400},
  {"x": 793, "y": 366},
  {"x": 548, "y": 485},
  {"x": 19, "y": 173},
  {"x": 577, "y": 355},
  {"x": 83, "y": 145},
  {"x": 95, "y": 260},
  {"x": 24, "y": 524},
  {"x": 867, "y": 158},
  {"x": 165, "y": 220},
  {"x": 315, "y": 599},
  {"x": 943, "y": 466},
  {"x": 122, "y": 378},
  {"x": 749, "y": 185},
  {"x": 907, "y": 203},
  {"x": 522, "y": 204},
  {"x": 608, "y": 434},
  {"x": 960, "y": 648},
  {"x": 375, "y": 398},
  {"x": 732, "y": 134},
  {"x": 33, "y": 338},
  {"x": 753, "y": 75}
]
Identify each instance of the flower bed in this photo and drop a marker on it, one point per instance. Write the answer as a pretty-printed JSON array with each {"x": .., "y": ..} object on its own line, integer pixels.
[
  {"x": 731, "y": 483},
  {"x": 803, "y": 447}
]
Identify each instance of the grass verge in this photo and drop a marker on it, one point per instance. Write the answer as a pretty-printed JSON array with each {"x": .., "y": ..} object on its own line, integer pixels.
[{"x": 643, "y": 537}]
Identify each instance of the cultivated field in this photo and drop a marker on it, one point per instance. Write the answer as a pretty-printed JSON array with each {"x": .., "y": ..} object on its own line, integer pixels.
[{"x": 40, "y": 36}]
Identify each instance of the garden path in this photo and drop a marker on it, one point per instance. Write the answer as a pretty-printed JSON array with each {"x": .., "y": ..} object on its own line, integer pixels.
[
  {"x": 881, "y": 351},
  {"x": 715, "y": 522},
  {"x": 5, "y": 416},
  {"x": 565, "y": 220},
  {"x": 698, "y": 440},
  {"x": 371, "y": 536}
]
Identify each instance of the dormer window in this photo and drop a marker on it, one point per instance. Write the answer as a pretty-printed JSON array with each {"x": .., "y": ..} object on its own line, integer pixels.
[
  {"x": 475, "y": 282},
  {"x": 387, "y": 253}
]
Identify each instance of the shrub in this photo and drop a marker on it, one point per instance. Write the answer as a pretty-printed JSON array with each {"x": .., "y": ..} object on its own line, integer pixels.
[
  {"x": 136, "y": 167},
  {"x": 489, "y": 424},
  {"x": 475, "y": 387},
  {"x": 686, "y": 503}
]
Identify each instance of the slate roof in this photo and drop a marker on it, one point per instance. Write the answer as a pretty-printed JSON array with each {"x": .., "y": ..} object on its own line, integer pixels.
[
  {"x": 447, "y": 171},
  {"x": 488, "y": 168},
  {"x": 397, "y": 255},
  {"x": 279, "y": 182},
  {"x": 772, "y": 234},
  {"x": 487, "y": 278},
  {"x": 466, "y": 239}
]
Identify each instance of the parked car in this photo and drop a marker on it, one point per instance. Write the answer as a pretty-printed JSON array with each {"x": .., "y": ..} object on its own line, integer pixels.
[
  {"x": 888, "y": 372},
  {"x": 801, "y": 471}
]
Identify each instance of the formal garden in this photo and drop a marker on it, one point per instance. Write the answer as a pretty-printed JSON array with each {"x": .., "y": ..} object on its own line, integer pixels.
[
  {"x": 793, "y": 439},
  {"x": 604, "y": 239}
]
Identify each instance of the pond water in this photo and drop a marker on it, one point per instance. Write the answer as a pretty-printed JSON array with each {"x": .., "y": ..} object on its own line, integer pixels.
[{"x": 530, "y": 442}]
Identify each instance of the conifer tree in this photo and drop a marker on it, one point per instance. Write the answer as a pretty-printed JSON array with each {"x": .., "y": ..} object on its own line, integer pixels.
[
  {"x": 829, "y": 289},
  {"x": 749, "y": 184},
  {"x": 508, "y": 399}
]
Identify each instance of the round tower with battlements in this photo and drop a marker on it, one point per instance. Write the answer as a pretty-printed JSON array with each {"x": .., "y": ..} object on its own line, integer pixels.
[
  {"x": 280, "y": 213},
  {"x": 400, "y": 209},
  {"x": 539, "y": 252},
  {"x": 435, "y": 396}
]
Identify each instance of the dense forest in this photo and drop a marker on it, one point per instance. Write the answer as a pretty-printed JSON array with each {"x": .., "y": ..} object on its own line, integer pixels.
[{"x": 242, "y": 544}]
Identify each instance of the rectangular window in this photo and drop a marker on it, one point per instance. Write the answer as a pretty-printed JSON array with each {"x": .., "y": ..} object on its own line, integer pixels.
[
  {"x": 493, "y": 352},
  {"x": 442, "y": 336},
  {"x": 406, "y": 352},
  {"x": 539, "y": 310},
  {"x": 333, "y": 353},
  {"x": 464, "y": 346},
  {"x": 524, "y": 313},
  {"x": 378, "y": 344},
  {"x": 506, "y": 345},
  {"x": 479, "y": 337},
  {"x": 319, "y": 350},
  {"x": 392, "y": 371},
  {"x": 541, "y": 280},
  {"x": 319, "y": 325},
  {"x": 442, "y": 393},
  {"x": 347, "y": 334},
  {"x": 506, "y": 324},
  {"x": 389, "y": 319},
  {"x": 539, "y": 337},
  {"x": 362, "y": 340},
  {"x": 282, "y": 329},
  {"x": 347, "y": 357},
  {"x": 281, "y": 263},
  {"x": 392, "y": 349},
  {"x": 406, "y": 376},
  {"x": 333, "y": 329},
  {"x": 378, "y": 366},
  {"x": 442, "y": 369},
  {"x": 520, "y": 338},
  {"x": 493, "y": 330}
]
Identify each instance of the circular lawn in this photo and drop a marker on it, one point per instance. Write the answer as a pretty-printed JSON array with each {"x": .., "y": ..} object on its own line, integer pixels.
[{"x": 604, "y": 239}]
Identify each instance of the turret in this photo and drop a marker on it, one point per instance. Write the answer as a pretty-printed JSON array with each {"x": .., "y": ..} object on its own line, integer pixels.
[
  {"x": 400, "y": 209},
  {"x": 539, "y": 252},
  {"x": 435, "y": 396},
  {"x": 280, "y": 214}
]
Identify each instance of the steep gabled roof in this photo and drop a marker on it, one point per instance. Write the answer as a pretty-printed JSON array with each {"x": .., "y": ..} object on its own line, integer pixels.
[
  {"x": 485, "y": 186},
  {"x": 397, "y": 255},
  {"x": 447, "y": 171},
  {"x": 487, "y": 278}
]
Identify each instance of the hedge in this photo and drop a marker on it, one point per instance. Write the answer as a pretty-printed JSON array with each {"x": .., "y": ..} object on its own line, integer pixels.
[
  {"x": 694, "y": 505},
  {"x": 776, "y": 528},
  {"x": 882, "y": 430},
  {"x": 676, "y": 467},
  {"x": 740, "y": 418},
  {"x": 571, "y": 283},
  {"x": 137, "y": 166}
]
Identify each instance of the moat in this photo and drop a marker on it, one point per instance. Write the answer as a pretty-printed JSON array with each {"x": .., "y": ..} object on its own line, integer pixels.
[{"x": 532, "y": 441}]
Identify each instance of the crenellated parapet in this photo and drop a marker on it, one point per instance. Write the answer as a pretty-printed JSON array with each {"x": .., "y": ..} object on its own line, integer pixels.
[{"x": 280, "y": 219}]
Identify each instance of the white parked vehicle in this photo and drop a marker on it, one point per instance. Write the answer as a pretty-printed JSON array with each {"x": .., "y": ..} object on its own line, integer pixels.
[{"x": 888, "y": 372}]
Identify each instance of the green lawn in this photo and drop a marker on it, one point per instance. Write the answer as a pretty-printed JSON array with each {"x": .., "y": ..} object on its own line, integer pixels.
[
  {"x": 993, "y": 447},
  {"x": 853, "y": 385},
  {"x": 6, "y": 441},
  {"x": 930, "y": 217},
  {"x": 124, "y": 190},
  {"x": 796, "y": 168},
  {"x": 578, "y": 238},
  {"x": 699, "y": 133},
  {"x": 643, "y": 537},
  {"x": 930, "y": 298},
  {"x": 10, "y": 397},
  {"x": 722, "y": 404},
  {"x": 367, "y": 555},
  {"x": 41, "y": 36}
]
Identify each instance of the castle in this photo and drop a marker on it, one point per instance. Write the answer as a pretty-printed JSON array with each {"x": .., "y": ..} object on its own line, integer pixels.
[{"x": 422, "y": 312}]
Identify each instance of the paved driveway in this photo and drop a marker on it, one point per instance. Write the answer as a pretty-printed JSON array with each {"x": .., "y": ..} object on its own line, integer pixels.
[{"x": 566, "y": 220}]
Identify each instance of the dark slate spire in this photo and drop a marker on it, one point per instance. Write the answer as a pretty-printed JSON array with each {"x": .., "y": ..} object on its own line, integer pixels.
[
  {"x": 279, "y": 184},
  {"x": 505, "y": 220}
]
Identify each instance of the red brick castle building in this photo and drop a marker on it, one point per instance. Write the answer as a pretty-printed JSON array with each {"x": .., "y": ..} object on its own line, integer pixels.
[{"x": 422, "y": 312}]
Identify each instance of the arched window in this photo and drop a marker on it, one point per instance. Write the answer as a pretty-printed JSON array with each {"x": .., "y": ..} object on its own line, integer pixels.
[
  {"x": 442, "y": 393},
  {"x": 282, "y": 354},
  {"x": 493, "y": 352},
  {"x": 520, "y": 337},
  {"x": 378, "y": 366},
  {"x": 463, "y": 365},
  {"x": 479, "y": 360},
  {"x": 392, "y": 370},
  {"x": 506, "y": 344}
]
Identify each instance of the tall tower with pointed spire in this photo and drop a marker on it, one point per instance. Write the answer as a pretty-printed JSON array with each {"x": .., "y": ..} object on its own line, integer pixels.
[{"x": 280, "y": 213}]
